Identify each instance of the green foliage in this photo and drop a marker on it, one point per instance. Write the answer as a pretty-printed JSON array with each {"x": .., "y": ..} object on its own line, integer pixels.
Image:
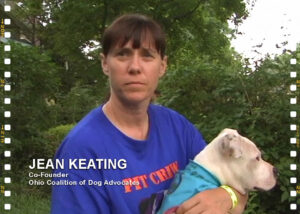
[
  {"x": 53, "y": 137},
  {"x": 79, "y": 101},
  {"x": 33, "y": 81},
  {"x": 58, "y": 83}
]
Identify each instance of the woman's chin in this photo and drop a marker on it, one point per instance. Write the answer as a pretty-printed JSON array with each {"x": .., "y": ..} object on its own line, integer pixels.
[{"x": 137, "y": 99}]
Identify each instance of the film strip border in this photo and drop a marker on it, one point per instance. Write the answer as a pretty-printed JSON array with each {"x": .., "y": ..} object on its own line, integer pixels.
[
  {"x": 294, "y": 140},
  {"x": 5, "y": 126}
]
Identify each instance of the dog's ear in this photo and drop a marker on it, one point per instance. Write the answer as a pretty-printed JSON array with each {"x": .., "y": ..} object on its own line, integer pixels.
[{"x": 230, "y": 145}]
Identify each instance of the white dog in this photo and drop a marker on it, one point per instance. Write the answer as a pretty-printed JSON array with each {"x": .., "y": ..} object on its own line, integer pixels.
[{"x": 230, "y": 159}]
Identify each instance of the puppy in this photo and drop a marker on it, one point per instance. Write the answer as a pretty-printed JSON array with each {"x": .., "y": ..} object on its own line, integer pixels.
[{"x": 230, "y": 159}]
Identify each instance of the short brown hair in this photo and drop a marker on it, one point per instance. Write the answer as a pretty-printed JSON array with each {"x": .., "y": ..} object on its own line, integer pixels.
[{"x": 133, "y": 27}]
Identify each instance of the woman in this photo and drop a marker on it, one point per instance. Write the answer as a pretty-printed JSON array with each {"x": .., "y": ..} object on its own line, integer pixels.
[{"x": 153, "y": 141}]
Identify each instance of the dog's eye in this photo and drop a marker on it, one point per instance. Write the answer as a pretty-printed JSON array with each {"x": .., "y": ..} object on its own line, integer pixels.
[{"x": 258, "y": 158}]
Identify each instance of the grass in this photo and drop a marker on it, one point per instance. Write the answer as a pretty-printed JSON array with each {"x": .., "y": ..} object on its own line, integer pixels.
[
  {"x": 28, "y": 204},
  {"x": 25, "y": 200}
]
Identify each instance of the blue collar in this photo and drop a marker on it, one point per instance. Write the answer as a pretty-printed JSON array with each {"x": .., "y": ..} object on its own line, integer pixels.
[{"x": 199, "y": 171}]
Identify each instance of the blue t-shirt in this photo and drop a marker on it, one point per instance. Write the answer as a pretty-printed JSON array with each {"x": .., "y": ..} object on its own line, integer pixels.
[{"x": 151, "y": 164}]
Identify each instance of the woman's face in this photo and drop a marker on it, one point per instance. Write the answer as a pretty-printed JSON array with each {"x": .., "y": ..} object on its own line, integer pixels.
[{"x": 134, "y": 73}]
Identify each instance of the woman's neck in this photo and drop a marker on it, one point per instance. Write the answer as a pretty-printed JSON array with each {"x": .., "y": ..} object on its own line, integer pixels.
[{"x": 132, "y": 120}]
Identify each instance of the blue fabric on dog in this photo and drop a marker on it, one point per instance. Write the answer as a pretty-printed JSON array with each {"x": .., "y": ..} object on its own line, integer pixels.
[{"x": 187, "y": 183}]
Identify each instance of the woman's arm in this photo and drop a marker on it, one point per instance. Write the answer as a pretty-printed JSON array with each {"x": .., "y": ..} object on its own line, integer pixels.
[{"x": 214, "y": 201}]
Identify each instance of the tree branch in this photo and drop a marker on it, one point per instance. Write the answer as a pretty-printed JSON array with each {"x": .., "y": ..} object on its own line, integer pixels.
[{"x": 189, "y": 12}]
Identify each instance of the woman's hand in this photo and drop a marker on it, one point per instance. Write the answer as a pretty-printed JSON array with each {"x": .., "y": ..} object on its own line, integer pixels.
[{"x": 214, "y": 201}]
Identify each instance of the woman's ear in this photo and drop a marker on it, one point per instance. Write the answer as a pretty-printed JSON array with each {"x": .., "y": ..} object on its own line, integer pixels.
[
  {"x": 104, "y": 63},
  {"x": 164, "y": 64}
]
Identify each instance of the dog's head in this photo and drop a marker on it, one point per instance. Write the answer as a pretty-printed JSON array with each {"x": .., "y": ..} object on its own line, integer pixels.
[{"x": 238, "y": 163}]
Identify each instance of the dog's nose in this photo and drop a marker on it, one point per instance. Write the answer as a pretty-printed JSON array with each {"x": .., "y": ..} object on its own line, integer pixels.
[{"x": 276, "y": 172}]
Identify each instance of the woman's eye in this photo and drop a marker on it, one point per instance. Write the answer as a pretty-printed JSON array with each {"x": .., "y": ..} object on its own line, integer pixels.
[
  {"x": 121, "y": 53},
  {"x": 148, "y": 55}
]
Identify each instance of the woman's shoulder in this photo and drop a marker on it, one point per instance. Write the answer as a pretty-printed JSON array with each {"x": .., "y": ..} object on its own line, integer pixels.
[{"x": 165, "y": 113}]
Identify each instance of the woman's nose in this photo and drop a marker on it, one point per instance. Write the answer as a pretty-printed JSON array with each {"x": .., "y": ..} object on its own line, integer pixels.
[{"x": 135, "y": 66}]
